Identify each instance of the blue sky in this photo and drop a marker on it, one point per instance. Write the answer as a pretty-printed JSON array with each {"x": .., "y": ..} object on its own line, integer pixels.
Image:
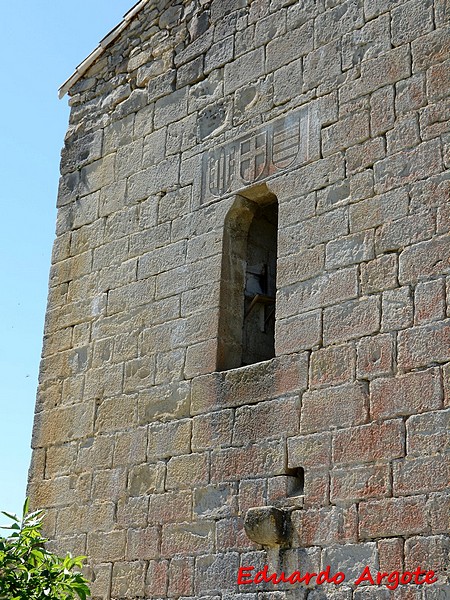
[{"x": 43, "y": 42}]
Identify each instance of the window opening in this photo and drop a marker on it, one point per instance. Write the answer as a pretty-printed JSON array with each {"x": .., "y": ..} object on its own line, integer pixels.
[{"x": 248, "y": 285}]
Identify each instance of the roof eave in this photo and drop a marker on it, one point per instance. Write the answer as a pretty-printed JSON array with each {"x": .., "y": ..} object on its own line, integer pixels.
[{"x": 104, "y": 43}]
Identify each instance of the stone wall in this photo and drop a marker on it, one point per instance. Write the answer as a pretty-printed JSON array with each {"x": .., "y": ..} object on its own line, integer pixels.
[{"x": 147, "y": 457}]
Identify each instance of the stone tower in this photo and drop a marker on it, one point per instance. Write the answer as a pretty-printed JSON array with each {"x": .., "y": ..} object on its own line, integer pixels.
[{"x": 247, "y": 343}]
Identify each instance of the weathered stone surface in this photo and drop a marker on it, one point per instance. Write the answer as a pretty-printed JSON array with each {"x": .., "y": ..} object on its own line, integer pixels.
[
  {"x": 268, "y": 526},
  {"x": 153, "y": 436}
]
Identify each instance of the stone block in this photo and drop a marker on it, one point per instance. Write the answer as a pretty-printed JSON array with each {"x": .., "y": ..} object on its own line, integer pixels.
[
  {"x": 130, "y": 446},
  {"x": 408, "y": 394},
  {"x": 430, "y": 49},
  {"x": 146, "y": 479},
  {"x": 109, "y": 483},
  {"x": 385, "y": 70},
  {"x": 333, "y": 196},
  {"x": 351, "y": 559},
  {"x": 181, "y": 577},
  {"x": 405, "y": 134},
  {"x": 300, "y": 332},
  {"x": 212, "y": 429},
  {"x": 379, "y": 274},
  {"x": 96, "y": 452},
  {"x": 431, "y": 551},
  {"x": 243, "y": 70},
  {"x": 200, "y": 359},
  {"x": 443, "y": 219},
  {"x": 162, "y": 259},
  {"x": 253, "y": 492},
  {"x": 378, "y": 210},
  {"x": 170, "y": 108},
  {"x": 256, "y": 460},
  {"x": 342, "y": 406},
  {"x": 314, "y": 176},
  {"x": 279, "y": 49},
  {"x": 278, "y": 377},
  {"x": 110, "y": 546},
  {"x": 411, "y": 20},
  {"x": 352, "y": 319},
  {"x": 288, "y": 81},
  {"x": 219, "y": 54},
  {"x": 424, "y": 260},
  {"x": 433, "y": 120},
  {"x": 156, "y": 578},
  {"x": 60, "y": 460},
  {"x": 267, "y": 26},
  {"x": 317, "y": 488},
  {"x": 128, "y": 579},
  {"x": 62, "y": 425},
  {"x": 358, "y": 483},
  {"x": 369, "y": 443},
  {"x": 324, "y": 290},
  {"x": 375, "y": 356},
  {"x": 164, "y": 402},
  {"x": 392, "y": 517},
  {"x": 332, "y": 365},
  {"x": 338, "y": 20},
  {"x": 132, "y": 512},
  {"x": 266, "y": 420},
  {"x": 428, "y": 434},
  {"x": 314, "y": 231},
  {"x": 408, "y": 166},
  {"x": 300, "y": 266},
  {"x": 190, "y": 72},
  {"x": 309, "y": 450},
  {"x": 438, "y": 507},
  {"x": 421, "y": 475},
  {"x": 365, "y": 155},
  {"x": 325, "y": 527},
  {"x": 368, "y": 42},
  {"x": 351, "y": 130},
  {"x": 190, "y": 470},
  {"x": 396, "y": 309},
  {"x": 170, "y": 507},
  {"x": 216, "y": 573},
  {"x": 187, "y": 538},
  {"x": 349, "y": 250},
  {"x": 424, "y": 345},
  {"x": 116, "y": 413},
  {"x": 429, "y": 302},
  {"x": 410, "y": 94},
  {"x": 404, "y": 232},
  {"x": 97, "y": 175},
  {"x": 390, "y": 553},
  {"x": 157, "y": 178},
  {"x": 215, "y": 501},
  {"x": 169, "y": 439}
]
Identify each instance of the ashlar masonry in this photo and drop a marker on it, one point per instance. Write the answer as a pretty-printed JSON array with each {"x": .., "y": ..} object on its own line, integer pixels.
[{"x": 247, "y": 345}]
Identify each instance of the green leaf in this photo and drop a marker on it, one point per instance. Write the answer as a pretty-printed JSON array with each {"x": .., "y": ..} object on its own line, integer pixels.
[
  {"x": 25, "y": 507},
  {"x": 10, "y": 516}
]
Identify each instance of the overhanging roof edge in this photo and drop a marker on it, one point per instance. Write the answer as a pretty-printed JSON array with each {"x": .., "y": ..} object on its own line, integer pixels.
[{"x": 104, "y": 43}]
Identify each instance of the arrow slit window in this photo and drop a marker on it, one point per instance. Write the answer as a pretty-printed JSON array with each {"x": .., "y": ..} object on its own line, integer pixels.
[{"x": 248, "y": 284}]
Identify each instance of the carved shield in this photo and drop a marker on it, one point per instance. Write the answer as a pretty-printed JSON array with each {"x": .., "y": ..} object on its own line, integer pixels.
[
  {"x": 221, "y": 171},
  {"x": 285, "y": 142},
  {"x": 253, "y": 160}
]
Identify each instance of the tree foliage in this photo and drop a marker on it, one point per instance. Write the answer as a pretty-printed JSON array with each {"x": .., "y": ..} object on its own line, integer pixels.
[{"x": 30, "y": 572}]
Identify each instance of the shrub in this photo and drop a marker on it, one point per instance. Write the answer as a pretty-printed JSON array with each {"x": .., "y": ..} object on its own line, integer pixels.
[{"x": 30, "y": 572}]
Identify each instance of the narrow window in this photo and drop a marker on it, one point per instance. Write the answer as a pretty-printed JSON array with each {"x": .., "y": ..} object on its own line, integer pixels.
[{"x": 248, "y": 286}]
